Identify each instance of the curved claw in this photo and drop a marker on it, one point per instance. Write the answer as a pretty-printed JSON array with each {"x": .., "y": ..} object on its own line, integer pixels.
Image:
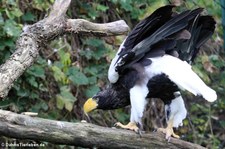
[
  {"x": 169, "y": 132},
  {"x": 140, "y": 132},
  {"x": 130, "y": 126}
]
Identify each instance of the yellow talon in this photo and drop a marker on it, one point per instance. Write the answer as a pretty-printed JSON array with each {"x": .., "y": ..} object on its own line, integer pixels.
[
  {"x": 169, "y": 130},
  {"x": 131, "y": 126}
]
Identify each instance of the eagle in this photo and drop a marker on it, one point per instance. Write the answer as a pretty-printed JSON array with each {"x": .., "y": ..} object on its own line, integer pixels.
[{"x": 154, "y": 61}]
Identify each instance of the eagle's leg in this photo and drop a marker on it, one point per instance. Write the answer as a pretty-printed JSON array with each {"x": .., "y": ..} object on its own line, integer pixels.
[
  {"x": 131, "y": 126},
  {"x": 175, "y": 113},
  {"x": 138, "y": 103},
  {"x": 169, "y": 130}
]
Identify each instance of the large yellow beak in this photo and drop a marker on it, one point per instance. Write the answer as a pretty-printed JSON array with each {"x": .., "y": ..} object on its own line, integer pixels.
[{"x": 89, "y": 105}]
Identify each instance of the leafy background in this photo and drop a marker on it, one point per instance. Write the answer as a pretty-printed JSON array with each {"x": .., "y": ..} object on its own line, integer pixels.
[{"x": 74, "y": 67}]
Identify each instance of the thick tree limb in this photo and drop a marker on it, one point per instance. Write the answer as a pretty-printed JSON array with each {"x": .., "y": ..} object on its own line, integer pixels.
[
  {"x": 82, "y": 134},
  {"x": 35, "y": 36}
]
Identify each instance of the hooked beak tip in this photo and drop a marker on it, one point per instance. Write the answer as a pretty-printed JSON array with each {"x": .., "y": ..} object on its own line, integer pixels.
[{"x": 89, "y": 105}]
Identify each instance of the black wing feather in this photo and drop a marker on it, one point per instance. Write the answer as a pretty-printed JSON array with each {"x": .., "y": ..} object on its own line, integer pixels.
[
  {"x": 175, "y": 25},
  {"x": 146, "y": 27},
  {"x": 165, "y": 32},
  {"x": 201, "y": 30}
]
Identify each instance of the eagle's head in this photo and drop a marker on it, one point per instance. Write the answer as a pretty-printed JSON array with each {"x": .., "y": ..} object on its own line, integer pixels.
[{"x": 108, "y": 99}]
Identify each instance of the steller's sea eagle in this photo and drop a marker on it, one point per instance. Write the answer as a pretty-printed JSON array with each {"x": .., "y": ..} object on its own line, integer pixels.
[{"x": 154, "y": 62}]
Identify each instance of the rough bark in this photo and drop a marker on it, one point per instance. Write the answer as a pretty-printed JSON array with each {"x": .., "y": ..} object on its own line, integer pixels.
[
  {"x": 35, "y": 36},
  {"x": 107, "y": 29},
  {"x": 82, "y": 134}
]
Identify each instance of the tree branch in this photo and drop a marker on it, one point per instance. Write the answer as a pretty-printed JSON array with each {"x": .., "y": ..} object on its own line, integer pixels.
[
  {"x": 107, "y": 29},
  {"x": 33, "y": 36},
  {"x": 82, "y": 134}
]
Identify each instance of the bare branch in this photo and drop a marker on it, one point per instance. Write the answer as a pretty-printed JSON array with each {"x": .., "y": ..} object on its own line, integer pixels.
[
  {"x": 35, "y": 36},
  {"x": 82, "y": 134},
  {"x": 59, "y": 8},
  {"x": 107, "y": 29}
]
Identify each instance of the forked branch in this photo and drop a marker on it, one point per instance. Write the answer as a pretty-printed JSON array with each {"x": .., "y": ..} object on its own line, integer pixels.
[{"x": 33, "y": 38}]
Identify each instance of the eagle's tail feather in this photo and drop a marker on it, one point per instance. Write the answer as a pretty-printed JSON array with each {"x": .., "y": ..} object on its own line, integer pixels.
[
  {"x": 187, "y": 79},
  {"x": 182, "y": 75},
  {"x": 209, "y": 94}
]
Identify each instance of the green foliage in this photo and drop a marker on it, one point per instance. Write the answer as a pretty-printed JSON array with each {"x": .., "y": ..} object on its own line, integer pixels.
[
  {"x": 74, "y": 68},
  {"x": 77, "y": 77},
  {"x": 65, "y": 99}
]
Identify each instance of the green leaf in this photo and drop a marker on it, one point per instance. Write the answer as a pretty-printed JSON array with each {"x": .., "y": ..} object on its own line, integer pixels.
[
  {"x": 65, "y": 99},
  {"x": 32, "y": 81},
  {"x": 5, "y": 103},
  {"x": 28, "y": 17},
  {"x": 94, "y": 42},
  {"x": 1, "y": 19},
  {"x": 93, "y": 13},
  {"x": 9, "y": 42},
  {"x": 121, "y": 116},
  {"x": 91, "y": 90},
  {"x": 22, "y": 92},
  {"x": 11, "y": 2},
  {"x": 41, "y": 4},
  {"x": 40, "y": 105},
  {"x": 59, "y": 75},
  {"x": 11, "y": 28},
  {"x": 69, "y": 106},
  {"x": 126, "y": 4},
  {"x": 59, "y": 102},
  {"x": 86, "y": 53},
  {"x": 66, "y": 94},
  {"x": 201, "y": 74},
  {"x": 102, "y": 7},
  {"x": 99, "y": 53},
  {"x": 92, "y": 80},
  {"x": 44, "y": 105},
  {"x": 41, "y": 62},
  {"x": 33, "y": 95},
  {"x": 37, "y": 71},
  {"x": 91, "y": 70},
  {"x": 64, "y": 57},
  {"x": 58, "y": 64},
  {"x": 77, "y": 77},
  {"x": 16, "y": 12}
]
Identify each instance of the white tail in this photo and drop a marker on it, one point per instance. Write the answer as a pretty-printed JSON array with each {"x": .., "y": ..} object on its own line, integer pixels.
[
  {"x": 209, "y": 94},
  {"x": 183, "y": 76}
]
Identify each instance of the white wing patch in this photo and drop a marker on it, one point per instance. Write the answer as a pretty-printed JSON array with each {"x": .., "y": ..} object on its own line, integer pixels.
[
  {"x": 113, "y": 76},
  {"x": 182, "y": 75}
]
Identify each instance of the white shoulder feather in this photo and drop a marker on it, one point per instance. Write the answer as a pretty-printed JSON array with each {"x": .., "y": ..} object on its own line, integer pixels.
[{"x": 113, "y": 76}]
